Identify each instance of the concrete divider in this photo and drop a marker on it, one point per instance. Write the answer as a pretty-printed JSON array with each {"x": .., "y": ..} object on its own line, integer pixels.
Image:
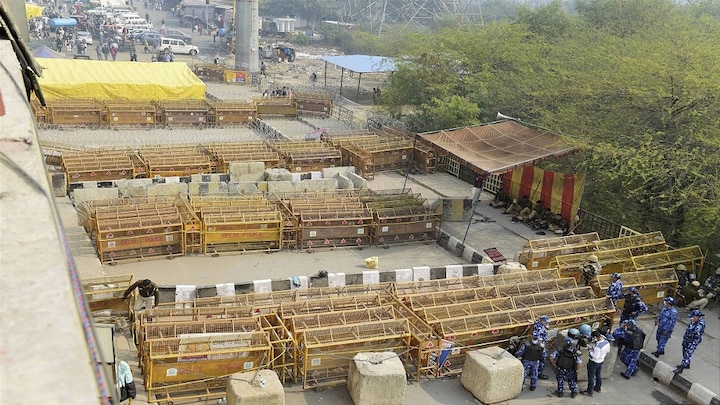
[{"x": 662, "y": 372}]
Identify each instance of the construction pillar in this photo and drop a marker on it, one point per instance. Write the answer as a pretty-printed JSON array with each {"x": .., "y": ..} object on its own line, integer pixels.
[{"x": 247, "y": 37}]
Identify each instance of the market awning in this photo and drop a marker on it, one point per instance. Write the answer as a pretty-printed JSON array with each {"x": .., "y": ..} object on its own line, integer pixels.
[
  {"x": 500, "y": 146},
  {"x": 359, "y": 64}
]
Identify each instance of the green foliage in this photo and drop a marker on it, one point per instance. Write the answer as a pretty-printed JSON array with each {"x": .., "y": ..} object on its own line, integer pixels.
[{"x": 634, "y": 83}]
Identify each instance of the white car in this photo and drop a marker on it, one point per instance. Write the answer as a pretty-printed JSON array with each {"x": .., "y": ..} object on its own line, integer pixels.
[
  {"x": 177, "y": 46},
  {"x": 84, "y": 35}
]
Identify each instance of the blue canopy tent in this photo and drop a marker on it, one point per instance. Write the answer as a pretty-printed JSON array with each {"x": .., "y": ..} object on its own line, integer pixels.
[{"x": 359, "y": 64}]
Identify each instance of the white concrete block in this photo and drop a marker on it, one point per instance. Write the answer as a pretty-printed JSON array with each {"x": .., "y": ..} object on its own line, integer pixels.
[
  {"x": 421, "y": 273},
  {"x": 343, "y": 182},
  {"x": 280, "y": 186},
  {"x": 403, "y": 275},
  {"x": 336, "y": 279},
  {"x": 262, "y": 286},
  {"x": 663, "y": 372},
  {"x": 453, "y": 271},
  {"x": 377, "y": 379},
  {"x": 333, "y": 171},
  {"x": 468, "y": 253},
  {"x": 485, "y": 269},
  {"x": 251, "y": 388},
  {"x": 358, "y": 181},
  {"x": 225, "y": 290},
  {"x": 171, "y": 189},
  {"x": 371, "y": 277},
  {"x": 278, "y": 175},
  {"x": 699, "y": 395},
  {"x": 492, "y": 375},
  {"x": 184, "y": 295},
  {"x": 304, "y": 283}
]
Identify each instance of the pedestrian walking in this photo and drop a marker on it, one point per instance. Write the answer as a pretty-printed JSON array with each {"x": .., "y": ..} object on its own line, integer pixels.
[
  {"x": 599, "y": 348},
  {"x": 665, "y": 325},
  {"x": 692, "y": 338},
  {"x": 530, "y": 354},
  {"x": 263, "y": 68},
  {"x": 98, "y": 51},
  {"x": 634, "y": 340},
  {"x": 540, "y": 332},
  {"x": 567, "y": 362}
]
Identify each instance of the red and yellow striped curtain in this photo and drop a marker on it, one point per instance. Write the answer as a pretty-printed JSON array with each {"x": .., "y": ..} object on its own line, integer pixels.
[{"x": 562, "y": 192}]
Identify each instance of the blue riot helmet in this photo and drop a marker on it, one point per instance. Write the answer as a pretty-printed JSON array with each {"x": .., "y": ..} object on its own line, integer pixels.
[
  {"x": 585, "y": 330},
  {"x": 573, "y": 333}
]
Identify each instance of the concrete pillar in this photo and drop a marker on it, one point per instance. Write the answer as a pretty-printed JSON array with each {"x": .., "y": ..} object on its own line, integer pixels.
[{"x": 247, "y": 38}]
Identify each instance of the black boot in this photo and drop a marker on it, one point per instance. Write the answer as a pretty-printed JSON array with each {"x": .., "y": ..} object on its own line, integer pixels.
[{"x": 678, "y": 369}]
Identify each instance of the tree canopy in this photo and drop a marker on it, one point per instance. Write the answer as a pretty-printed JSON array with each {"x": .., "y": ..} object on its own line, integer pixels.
[{"x": 635, "y": 84}]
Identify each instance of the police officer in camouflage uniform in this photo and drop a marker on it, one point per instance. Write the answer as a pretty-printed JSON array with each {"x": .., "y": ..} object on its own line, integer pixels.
[
  {"x": 634, "y": 305},
  {"x": 633, "y": 338},
  {"x": 692, "y": 338},
  {"x": 567, "y": 362},
  {"x": 530, "y": 354},
  {"x": 614, "y": 291},
  {"x": 665, "y": 325},
  {"x": 540, "y": 332}
]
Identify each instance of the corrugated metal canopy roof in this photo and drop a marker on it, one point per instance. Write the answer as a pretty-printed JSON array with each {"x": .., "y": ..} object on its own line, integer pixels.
[
  {"x": 362, "y": 63},
  {"x": 500, "y": 146}
]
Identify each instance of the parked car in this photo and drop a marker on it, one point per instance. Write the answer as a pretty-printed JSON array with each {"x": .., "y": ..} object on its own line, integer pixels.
[
  {"x": 152, "y": 38},
  {"x": 177, "y": 34},
  {"x": 138, "y": 33},
  {"x": 84, "y": 35},
  {"x": 178, "y": 46}
]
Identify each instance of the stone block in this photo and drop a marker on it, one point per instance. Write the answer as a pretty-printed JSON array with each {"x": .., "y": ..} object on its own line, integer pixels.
[
  {"x": 243, "y": 187},
  {"x": 240, "y": 392},
  {"x": 492, "y": 375},
  {"x": 377, "y": 379},
  {"x": 247, "y": 171},
  {"x": 262, "y": 186},
  {"x": 90, "y": 194}
]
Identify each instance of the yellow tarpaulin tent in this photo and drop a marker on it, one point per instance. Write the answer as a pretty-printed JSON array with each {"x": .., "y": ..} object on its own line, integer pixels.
[
  {"x": 33, "y": 10},
  {"x": 105, "y": 80}
]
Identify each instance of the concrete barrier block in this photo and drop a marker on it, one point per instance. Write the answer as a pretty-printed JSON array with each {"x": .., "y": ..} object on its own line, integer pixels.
[
  {"x": 485, "y": 269},
  {"x": 453, "y": 271},
  {"x": 247, "y": 171},
  {"x": 171, "y": 189},
  {"x": 329, "y": 172},
  {"x": 240, "y": 392},
  {"x": 468, "y": 253},
  {"x": 343, "y": 182},
  {"x": 336, "y": 279},
  {"x": 358, "y": 181},
  {"x": 244, "y": 187},
  {"x": 280, "y": 186},
  {"x": 89, "y": 194},
  {"x": 421, "y": 273},
  {"x": 262, "y": 286},
  {"x": 492, "y": 375},
  {"x": 371, "y": 277},
  {"x": 377, "y": 379},
  {"x": 663, "y": 372},
  {"x": 403, "y": 275},
  {"x": 699, "y": 395}
]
